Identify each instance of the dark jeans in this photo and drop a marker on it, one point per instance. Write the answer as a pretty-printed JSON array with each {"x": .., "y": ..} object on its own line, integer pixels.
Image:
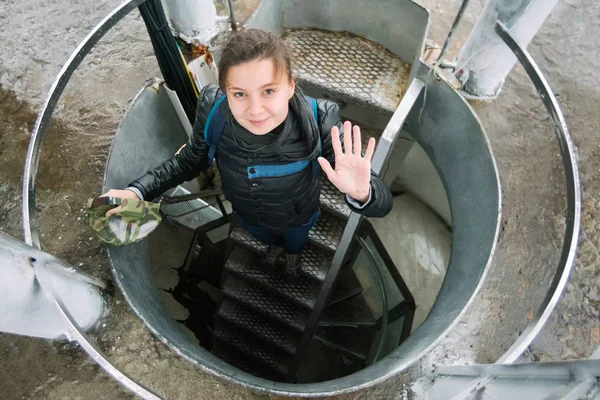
[{"x": 293, "y": 240}]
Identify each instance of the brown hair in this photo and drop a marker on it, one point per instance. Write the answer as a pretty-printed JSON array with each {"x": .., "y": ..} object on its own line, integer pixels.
[{"x": 254, "y": 44}]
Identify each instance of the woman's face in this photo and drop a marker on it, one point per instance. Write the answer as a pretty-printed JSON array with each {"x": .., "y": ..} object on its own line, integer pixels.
[{"x": 257, "y": 97}]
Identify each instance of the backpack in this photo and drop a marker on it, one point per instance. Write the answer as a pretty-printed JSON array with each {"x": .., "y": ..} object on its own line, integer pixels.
[{"x": 215, "y": 124}]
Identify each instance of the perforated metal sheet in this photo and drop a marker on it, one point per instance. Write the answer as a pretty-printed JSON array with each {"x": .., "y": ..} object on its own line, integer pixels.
[
  {"x": 257, "y": 325},
  {"x": 350, "y": 66},
  {"x": 315, "y": 262},
  {"x": 242, "y": 262},
  {"x": 252, "y": 347},
  {"x": 191, "y": 214},
  {"x": 327, "y": 232},
  {"x": 266, "y": 304}
]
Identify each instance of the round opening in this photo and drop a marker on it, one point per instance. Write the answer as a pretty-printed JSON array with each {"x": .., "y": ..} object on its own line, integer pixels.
[{"x": 196, "y": 284}]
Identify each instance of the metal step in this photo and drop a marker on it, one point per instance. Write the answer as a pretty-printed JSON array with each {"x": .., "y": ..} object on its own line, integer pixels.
[
  {"x": 353, "y": 311},
  {"x": 265, "y": 303},
  {"x": 259, "y": 326},
  {"x": 332, "y": 199},
  {"x": 191, "y": 214},
  {"x": 245, "y": 264},
  {"x": 314, "y": 263},
  {"x": 353, "y": 341},
  {"x": 346, "y": 287},
  {"x": 239, "y": 360},
  {"x": 327, "y": 232},
  {"x": 350, "y": 68},
  {"x": 252, "y": 347}
]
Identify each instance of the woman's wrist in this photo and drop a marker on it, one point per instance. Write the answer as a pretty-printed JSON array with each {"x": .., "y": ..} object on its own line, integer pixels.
[
  {"x": 136, "y": 191},
  {"x": 362, "y": 196}
]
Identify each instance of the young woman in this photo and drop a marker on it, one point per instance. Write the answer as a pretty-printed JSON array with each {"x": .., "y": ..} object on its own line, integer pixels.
[{"x": 270, "y": 150}]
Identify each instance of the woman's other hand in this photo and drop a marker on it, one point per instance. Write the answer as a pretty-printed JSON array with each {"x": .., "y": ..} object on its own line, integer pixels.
[
  {"x": 121, "y": 194},
  {"x": 352, "y": 173}
]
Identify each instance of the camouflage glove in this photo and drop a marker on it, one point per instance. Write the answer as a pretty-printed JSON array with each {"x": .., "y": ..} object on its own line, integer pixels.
[{"x": 132, "y": 223}]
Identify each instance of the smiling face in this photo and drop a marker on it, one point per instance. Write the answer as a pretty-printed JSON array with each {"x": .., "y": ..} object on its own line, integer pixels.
[{"x": 258, "y": 95}]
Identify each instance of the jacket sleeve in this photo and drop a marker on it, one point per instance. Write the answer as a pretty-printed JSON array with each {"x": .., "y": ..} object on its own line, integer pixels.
[
  {"x": 381, "y": 198},
  {"x": 190, "y": 161}
]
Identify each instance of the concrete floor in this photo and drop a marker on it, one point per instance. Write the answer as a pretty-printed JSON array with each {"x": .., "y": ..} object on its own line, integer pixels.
[{"x": 37, "y": 37}]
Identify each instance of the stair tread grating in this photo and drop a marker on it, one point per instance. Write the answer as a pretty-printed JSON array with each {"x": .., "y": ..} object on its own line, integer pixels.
[
  {"x": 265, "y": 303},
  {"x": 239, "y": 360},
  {"x": 370, "y": 73},
  {"x": 332, "y": 199},
  {"x": 314, "y": 263},
  {"x": 246, "y": 264},
  {"x": 252, "y": 347},
  {"x": 327, "y": 232},
  {"x": 256, "y": 324},
  {"x": 191, "y": 214}
]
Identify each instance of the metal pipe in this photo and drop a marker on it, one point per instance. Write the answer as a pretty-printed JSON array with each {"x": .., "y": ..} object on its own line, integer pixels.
[
  {"x": 75, "y": 333},
  {"x": 25, "y": 311},
  {"x": 193, "y": 20},
  {"x": 457, "y": 20},
  {"x": 484, "y": 61},
  {"x": 232, "y": 16}
]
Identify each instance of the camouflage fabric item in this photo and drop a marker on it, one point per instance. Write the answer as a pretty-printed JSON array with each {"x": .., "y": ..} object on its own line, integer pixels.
[{"x": 132, "y": 223}]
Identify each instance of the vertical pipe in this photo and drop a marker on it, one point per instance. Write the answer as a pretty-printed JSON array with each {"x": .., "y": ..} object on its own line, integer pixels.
[
  {"x": 192, "y": 20},
  {"x": 485, "y": 61}
]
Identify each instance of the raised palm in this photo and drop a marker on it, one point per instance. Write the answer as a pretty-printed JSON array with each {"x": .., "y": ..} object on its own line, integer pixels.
[{"x": 352, "y": 173}]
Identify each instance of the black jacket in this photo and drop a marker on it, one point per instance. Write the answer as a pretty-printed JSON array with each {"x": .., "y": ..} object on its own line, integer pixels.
[{"x": 273, "y": 202}]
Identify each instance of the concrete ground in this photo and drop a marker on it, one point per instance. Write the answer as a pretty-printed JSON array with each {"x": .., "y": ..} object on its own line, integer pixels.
[{"x": 38, "y": 36}]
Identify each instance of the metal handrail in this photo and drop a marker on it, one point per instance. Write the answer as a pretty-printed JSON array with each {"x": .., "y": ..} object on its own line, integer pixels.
[
  {"x": 573, "y": 218},
  {"x": 29, "y": 191},
  {"x": 192, "y": 196},
  {"x": 384, "y": 299},
  {"x": 74, "y": 332},
  {"x": 40, "y": 129},
  {"x": 382, "y": 153}
]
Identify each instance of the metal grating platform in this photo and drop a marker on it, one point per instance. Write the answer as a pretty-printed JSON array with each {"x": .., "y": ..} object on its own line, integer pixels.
[
  {"x": 252, "y": 347},
  {"x": 314, "y": 263},
  {"x": 191, "y": 214},
  {"x": 264, "y": 303},
  {"x": 259, "y": 326},
  {"x": 246, "y": 264},
  {"x": 353, "y": 68}
]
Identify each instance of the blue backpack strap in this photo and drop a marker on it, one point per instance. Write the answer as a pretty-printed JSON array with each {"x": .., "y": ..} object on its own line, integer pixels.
[
  {"x": 213, "y": 128},
  {"x": 312, "y": 104}
]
